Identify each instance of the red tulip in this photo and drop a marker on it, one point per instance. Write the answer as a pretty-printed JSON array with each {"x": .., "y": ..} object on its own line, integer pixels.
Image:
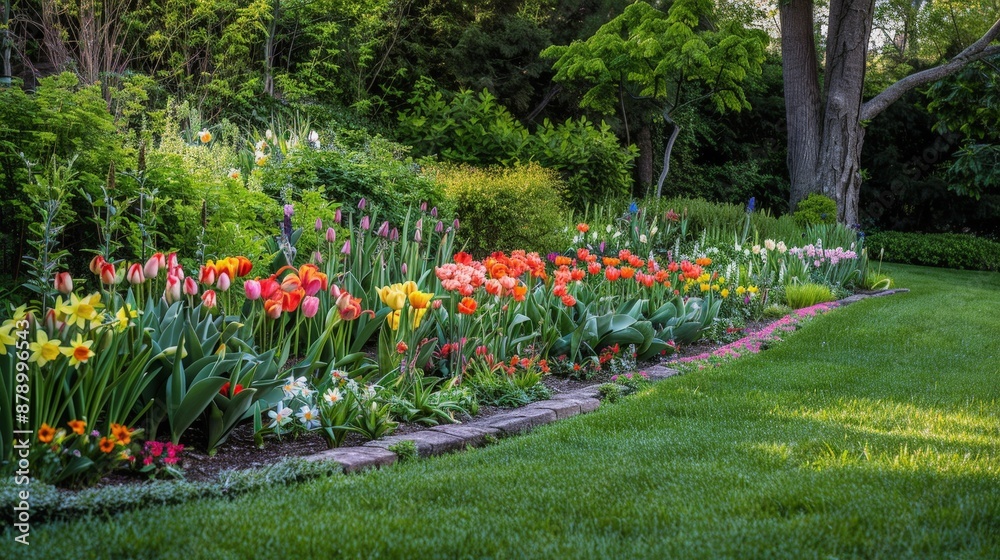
[
  {"x": 467, "y": 306},
  {"x": 206, "y": 275},
  {"x": 96, "y": 263},
  {"x": 190, "y": 287},
  {"x": 108, "y": 275}
]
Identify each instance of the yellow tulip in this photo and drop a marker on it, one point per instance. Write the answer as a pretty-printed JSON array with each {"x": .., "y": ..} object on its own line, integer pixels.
[
  {"x": 393, "y": 319},
  {"x": 418, "y": 315},
  {"x": 419, "y": 300},
  {"x": 409, "y": 287}
]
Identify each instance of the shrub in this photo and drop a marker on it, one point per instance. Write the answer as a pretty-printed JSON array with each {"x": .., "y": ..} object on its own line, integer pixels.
[
  {"x": 816, "y": 209},
  {"x": 807, "y": 294},
  {"x": 471, "y": 128},
  {"x": 505, "y": 209},
  {"x": 946, "y": 250}
]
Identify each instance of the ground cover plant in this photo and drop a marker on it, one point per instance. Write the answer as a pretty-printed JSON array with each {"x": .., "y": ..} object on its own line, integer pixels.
[{"x": 869, "y": 432}]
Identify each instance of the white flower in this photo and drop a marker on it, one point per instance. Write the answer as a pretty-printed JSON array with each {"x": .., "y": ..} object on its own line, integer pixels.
[
  {"x": 608, "y": 229},
  {"x": 314, "y": 138},
  {"x": 756, "y": 249},
  {"x": 642, "y": 238},
  {"x": 281, "y": 415},
  {"x": 769, "y": 244},
  {"x": 332, "y": 396},
  {"x": 260, "y": 146},
  {"x": 781, "y": 247},
  {"x": 338, "y": 375},
  {"x": 309, "y": 417},
  {"x": 234, "y": 173},
  {"x": 616, "y": 235},
  {"x": 268, "y": 134},
  {"x": 593, "y": 235},
  {"x": 654, "y": 230}
]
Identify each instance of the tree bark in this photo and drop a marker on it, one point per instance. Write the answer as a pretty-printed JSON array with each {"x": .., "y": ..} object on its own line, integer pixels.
[
  {"x": 666, "y": 153},
  {"x": 5, "y": 43},
  {"x": 644, "y": 164},
  {"x": 802, "y": 96}
]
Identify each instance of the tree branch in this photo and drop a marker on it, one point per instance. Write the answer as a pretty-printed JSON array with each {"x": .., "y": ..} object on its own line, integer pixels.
[{"x": 972, "y": 53}]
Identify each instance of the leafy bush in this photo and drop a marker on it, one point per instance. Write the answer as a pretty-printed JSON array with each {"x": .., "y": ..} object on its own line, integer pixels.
[
  {"x": 947, "y": 250},
  {"x": 505, "y": 209},
  {"x": 808, "y": 294},
  {"x": 474, "y": 129},
  {"x": 816, "y": 209}
]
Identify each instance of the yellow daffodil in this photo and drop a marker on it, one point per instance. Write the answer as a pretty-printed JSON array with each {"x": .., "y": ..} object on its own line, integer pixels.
[
  {"x": 705, "y": 286},
  {"x": 78, "y": 311},
  {"x": 724, "y": 293},
  {"x": 6, "y": 338},
  {"x": 79, "y": 351},
  {"x": 44, "y": 350},
  {"x": 753, "y": 289},
  {"x": 125, "y": 316},
  {"x": 740, "y": 290}
]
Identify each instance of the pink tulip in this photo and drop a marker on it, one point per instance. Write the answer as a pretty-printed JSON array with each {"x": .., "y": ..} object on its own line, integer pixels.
[
  {"x": 171, "y": 261},
  {"x": 423, "y": 206},
  {"x": 319, "y": 225},
  {"x": 337, "y": 216},
  {"x": 366, "y": 223},
  {"x": 172, "y": 291},
  {"x": 418, "y": 236},
  {"x": 361, "y": 204},
  {"x": 135, "y": 274},
  {"x": 347, "y": 247},
  {"x": 152, "y": 268},
  {"x": 95, "y": 265},
  {"x": 223, "y": 282},
  {"x": 208, "y": 299},
  {"x": 108, "y": 274},
  {"x": 331, "y": 235},
  {"x": 190, "y": 287},
  {"x": 63, "y": 282},
  {"x": 439, "y": 227},
  {"x": 252, "y": 289},
  {"x": 383, "y": 230},
  {"x": 310, "y": 305}
]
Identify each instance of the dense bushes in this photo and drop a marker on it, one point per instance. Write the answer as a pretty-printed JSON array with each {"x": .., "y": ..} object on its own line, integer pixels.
[
  {"x": 505, "y": 209},
  {"x": 948, "y": 250},
  {"x": 816, "y": 209},
  {"x": 475, "y": 129}
]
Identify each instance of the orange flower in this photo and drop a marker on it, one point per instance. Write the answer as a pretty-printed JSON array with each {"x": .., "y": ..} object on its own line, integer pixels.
[
  {"x": 568, "y": 300},
  {"x": 627, "y": 272},
  {"x": 46, "y": 433},
  {"x": 612, "y": 273},
  {"x": 520, "y": 291},
  {"x": 107, "y": 445},
  {"x": 582, "y": 228},
  {"x": 467, "y": 306},
  {"x": 244, "y": 266},
  {"x": 611, "y": 261},
  {"x": 463, "y": 258},
  {"x": 78, "y": 426},
  {"x": 121, "y": 433},
  {"x": 272, "y": 308},
  {"x": 312, "y": 279},
  {"x": 704, "y": 261},
  {"x": 499, "y": 270},
  {"x": 563, "y": 260},
  {"x": 594, "y": 268},
  {"x": 290, "y": 300}
]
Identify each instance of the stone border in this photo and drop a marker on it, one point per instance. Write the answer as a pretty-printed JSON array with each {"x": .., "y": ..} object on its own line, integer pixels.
[
  {"x": 447, "y": 438},
  {"x": 475, "y": 433}
]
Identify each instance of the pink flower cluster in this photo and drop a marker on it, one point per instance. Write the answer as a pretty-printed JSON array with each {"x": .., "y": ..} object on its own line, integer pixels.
[
  {"x": 754, "y": 342},
  {"x": 155, "y": 451},
  {"x": 819, "y": 256},
  {"x": 460, "y": 277}
]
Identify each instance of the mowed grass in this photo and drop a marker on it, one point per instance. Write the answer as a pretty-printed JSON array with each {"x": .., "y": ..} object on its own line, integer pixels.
[{"x": 871, "y": 432}]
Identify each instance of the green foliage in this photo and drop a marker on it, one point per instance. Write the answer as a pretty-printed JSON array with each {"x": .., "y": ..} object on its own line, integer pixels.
[
  {"x": 475, "y": 129},
  {"x": 405, "y": 450},
  {"x": 816, "y": 209},
  {"x": 947, "y": 250},
  {"x": 505, "y": 209},
  {"x": 805, "y": 295},
  {"x": 776, "y": 311},
  {"x": 350, "y": 166}
]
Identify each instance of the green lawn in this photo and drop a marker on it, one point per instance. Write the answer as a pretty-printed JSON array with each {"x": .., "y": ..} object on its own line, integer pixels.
[{"x": 871, "y": 432}]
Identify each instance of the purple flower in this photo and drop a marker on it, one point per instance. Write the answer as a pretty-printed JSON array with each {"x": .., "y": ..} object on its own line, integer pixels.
[
  {"x": 455, "y": 224},
  {"x": 434, "y": 212},
  {"x": 347, "y": 247},
  {"x": 418, "y": 236},
  {"x": 394, "y": 235},
  {"x": 402, "y": 269},
  {"x": 366, "y": 223},
  {"x": 319, "y": 225},
  {"x": 362, "y": 203},
  {"x": 289, "y": 210},
  {"x": 383, "y": 230},
  {"x": 337, "y": 216},
  {"x": 552, "y": 257},
  {"x": 423, "y": 206},
  {"x": 439, "y": 227},
  {"x": 331, "y": 235}
]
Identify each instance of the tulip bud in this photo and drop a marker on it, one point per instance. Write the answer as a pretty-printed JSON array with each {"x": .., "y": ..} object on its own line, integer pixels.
[
  {"x": 252, "y": 289},
  {"x": 439, "y": 227},
  {"x": 434, "y": 212},
  {"x": 310, "y": 305},
  {"x": 108, "y": 274},
  {"x": 362, "y": 203},
  {"x": 172, "y": 291},
  {"x": 347, "y": 247},
  {"x": 436, "y": 304},
  {"x": 418, "y": 236},
  {"x": 135, "y": 274},
  {"x": 152, "y": 268},
  {"x": 394, "y": 235},
  {"x": 208, "y": 299},
  {"x": 206, "y": 275},
  {"x": 95, "y": 265},
  {"x": 223, "y": 282},
  {"x": 171, "y": 261},
  {"x": 273, "y": 308},
  {"x": 319, "y": 225},
  {"x": 331, "y": 235},
  {"x": 334, "y": 291},
  {"x": 337, "y": 216},
  {"x": 402, "y": 269},
  {"x": 190, "y": 287},
  {"x": 318, "y": 257},
  {"x": 366, "y": 223},
  {"x": 455, "y": 224},
  {"x": 63, "y": 282},
  {"x": 383, "y": 230}
]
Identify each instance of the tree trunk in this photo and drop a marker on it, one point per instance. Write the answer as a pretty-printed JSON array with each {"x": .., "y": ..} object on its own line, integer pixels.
[
  {"x": 644, "y": 164},
  {"x": 666, "y": 154},
  {"x": 802, "y": 96},
  {"x": 269, "y": 50},
  {"x": 5, "y": 43}
]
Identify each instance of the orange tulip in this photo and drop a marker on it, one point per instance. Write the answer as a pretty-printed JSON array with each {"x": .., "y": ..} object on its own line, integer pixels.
[
  {"x": 627, "y": 272},
  {"x": 467, "y": 306},
  {"x": 272, "y": 308},
  {"x": 290, "y": 300},
  {"x": 612, "y": 273},
  {"x": 520, "y": 292}
]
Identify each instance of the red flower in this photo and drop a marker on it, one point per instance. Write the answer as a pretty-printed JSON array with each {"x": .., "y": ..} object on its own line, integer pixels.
[
  {"x": 582, "y": 228},
  {"x": 568, "y": 300},
  {"x": 463, "y": 258}
]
